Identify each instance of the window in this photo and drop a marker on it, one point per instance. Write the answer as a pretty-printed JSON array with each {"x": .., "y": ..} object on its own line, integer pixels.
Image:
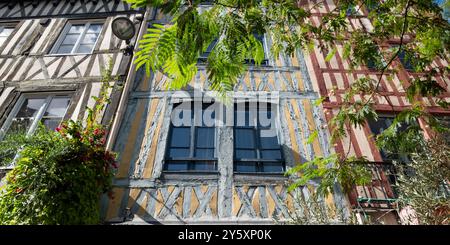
[
  {"x": 406, "y": 62},
  {"x": 256, "y": 146},
  {"x": 204, "y": 56},
  {"x": 379, "y": 126},
  {"x": 192, "y": 143},
  {"x": 77, "y": 38},
  {"x": 5, "y": 32},
  {"x": 372, "y": 5},
  {"x": 260, "y": 38},
  {"x": 371, "y": 63},
  {"x": 32, "y": 109}
]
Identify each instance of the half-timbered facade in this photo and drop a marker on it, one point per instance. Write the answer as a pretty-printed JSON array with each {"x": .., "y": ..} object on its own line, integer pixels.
[
  {"x": 52, "y": 55},
  {"x": 334, "y": 78},
  {"x": 220, "y": 173}
]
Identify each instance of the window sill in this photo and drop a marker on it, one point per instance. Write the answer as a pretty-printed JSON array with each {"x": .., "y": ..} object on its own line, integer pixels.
[
  {"x": 190, "y": 175},
  {"x": 259, "y": 178},
  {"x": 62, "y": 55}
]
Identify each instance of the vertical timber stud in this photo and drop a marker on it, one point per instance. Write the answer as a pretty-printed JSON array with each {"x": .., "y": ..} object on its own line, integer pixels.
[{"x": 225, "y": 165}]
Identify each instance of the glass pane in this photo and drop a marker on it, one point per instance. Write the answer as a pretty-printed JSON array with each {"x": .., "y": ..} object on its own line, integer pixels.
[
  {"x": 271, "y": 154},
  {"x": 204, "y": 153},
  {"x": 205, "y": 137},
  {"x": 30, "y": 107},
  {"x": 179, "y": 153},
  {"x": 20, "y": 125},
  {"x": 244, "y": 138},
  {"x": 65, "y": 49},
  {"x": 405, "y": 60},
  {"x": 70, "y": 39},
  {"x": 246, "y": 167},
  {"x": 208, "y": 116},
  {"x": 180, "y": 137},
  {"x": 265, "y": 117},
  {"x": 245, "y": 154},
  {"x": 51, "y": 123},
  {"x": 176, "y": 166},
  {"x": 205, "y": 166},
  {"x": 6, "y": 32},
  {"x": 85, "y": 48},
  {"x": 78, "y": 28},
  {"x": 89, "y": 39},
  {"x": 241, "y": 119},
  {"x": 182, "y": 115},
  {"x": 381, "y": 124},
  {"x": 273, "y": 167},
  {"x": 269, "y": 139},
  {"x": 2, "y": 40},
  {"x": 57, "y": 107},
  {"x": 95, "y": 28}
]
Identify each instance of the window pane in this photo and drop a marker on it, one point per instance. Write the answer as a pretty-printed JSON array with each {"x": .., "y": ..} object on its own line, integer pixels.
[
  {"x": 176, "y": 166},
  {"x": 269, "y": 139},
  {"x": 265, "y": 118},
  {"x": 205, "y": 166},
  {"x": 6, "y": 31},
  {"x": 244, "y": 138},
  {"x": 57, "y": 107},
  {"x": 182, "y": 115},
  {"x": 204, "y": 153},
  {"x": 271, "y": 154},
  {"x": 179, "y": 153},
  {"x": 89, "y": 39},
  {"x": 30, "y": 107},
  {"x": 405, "y": 60},
  {"x": 85, "y": 48},
  {"x": 2, "y": 40},
  {"x": 20, "y": 125},
  {"x": 4, "y": 34},
  {"x": 78, "y": 28},
  {"x": 95, "y": 28},
  {"x": 242, "y": 119},
  {"x": 180, "y": 137},
  {"x": 246, "y": 167},
  {"x": 205, "y": 137},
  {"x": 273, "y": 167},
  {"x": 245, "y": 154},
  {"x": 51, "y": 123},
  {"x": 381, "y": 124},
  {"x": 64, "y": 49},
  {"x": 71, "y": 39}
]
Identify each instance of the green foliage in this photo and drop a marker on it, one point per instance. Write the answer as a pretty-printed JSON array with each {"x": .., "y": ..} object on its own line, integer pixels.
[
  {"x": 423, "y": 184},
  {"x": 58, "y": 176},
  {"x": 330, "y": 170},
  {"x": 313, "y": 210}
]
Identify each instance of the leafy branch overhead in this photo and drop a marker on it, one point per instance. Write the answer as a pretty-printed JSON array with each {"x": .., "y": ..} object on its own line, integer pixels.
[{"x": 174, "y": 47}]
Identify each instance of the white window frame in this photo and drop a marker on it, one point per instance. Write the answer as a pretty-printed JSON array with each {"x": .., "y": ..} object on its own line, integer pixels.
[
  {"x": 7, "y": 25},
  {"x": 68, "y": 25},
  {"x": 38, "y": 116}
]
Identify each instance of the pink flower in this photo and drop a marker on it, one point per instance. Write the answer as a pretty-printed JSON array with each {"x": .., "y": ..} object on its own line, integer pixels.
[
  {"x": 58, "y": 129},
  {"x": 96, "y": 131}
]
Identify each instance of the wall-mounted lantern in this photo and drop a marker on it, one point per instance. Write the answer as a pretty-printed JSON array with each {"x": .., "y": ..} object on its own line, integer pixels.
[{"x": 123, "y": 28}]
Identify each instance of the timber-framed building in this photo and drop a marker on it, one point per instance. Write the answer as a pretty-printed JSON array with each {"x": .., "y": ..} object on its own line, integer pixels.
[{"x": 52, "y": 53}]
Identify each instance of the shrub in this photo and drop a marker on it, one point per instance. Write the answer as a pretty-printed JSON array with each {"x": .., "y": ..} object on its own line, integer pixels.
[{"x": 58, "y": 176}]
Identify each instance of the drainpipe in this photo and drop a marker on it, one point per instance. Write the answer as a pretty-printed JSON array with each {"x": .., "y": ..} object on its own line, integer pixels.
[{"x": 128, "y": 84}]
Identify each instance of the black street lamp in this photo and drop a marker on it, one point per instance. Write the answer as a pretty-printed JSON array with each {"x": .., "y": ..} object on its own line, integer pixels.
[{"x": 123, "y": 28}]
